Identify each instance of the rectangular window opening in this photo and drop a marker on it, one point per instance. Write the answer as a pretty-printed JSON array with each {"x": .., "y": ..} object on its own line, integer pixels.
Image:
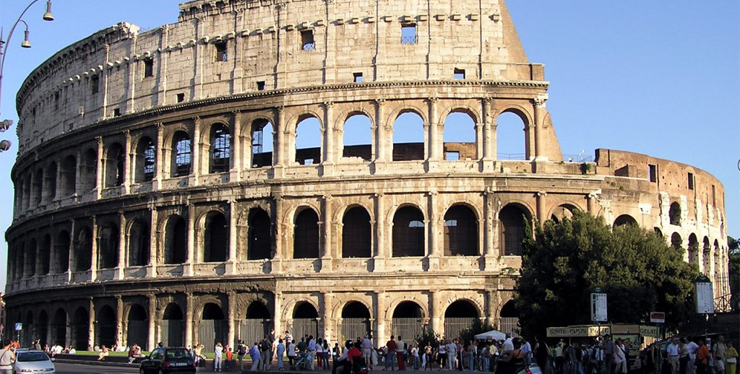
[
  {"x": 408, "y": 33},
  {"x": 148, "y": 68},
  {"x": 691, "y": 181},
  {"x": 180, "y": 97},
  {"x": 116, "y": 112},
  {"x": 357, "y": 77},
  {"x": 653, "y": 173},
  {"x": 56, "y": 101},
  {"x": 94, "y": 84},
  {"x": 307, "y": 41},
  {"x": 714, "y": 195},
  {"x": 221, "y": 54},
  {"x": 452, "y": 156},
  {"x": 261, "y": 86},
  {"x": 459, "y": 74}
]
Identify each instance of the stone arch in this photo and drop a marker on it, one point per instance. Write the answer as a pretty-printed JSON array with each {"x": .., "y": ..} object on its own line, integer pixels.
[
  {"x": 306, "y": 234},
  {"x": 137, "y": 328},
  {"x": 509, "y": 318},
  {"x": 707, "y": 258},
  {"x": 407, "y": 319},
  {"x": 676, "y": 241},
  {"x": 404, "y": 108},
  {"x": 355, "y": 320},
  {"x": 259, "y": 235},
  {"x": 305, "y": 319},
  {"x": 139, "y": 243},
  {"x": 45, "y": 255},
  {"x": 83, "y": 249},
  {"x": 658, "y": 231},
  {"x": 175, "y": 249},
  {"x": 108, "y": 242},
  {"x": 624, "y": 219},
  {"x": 114, "y": 163},
  {"x": 719, "y": 263},
  {"x": 674, "y": 214},
  {"x": 172, "y": 326},
  {"x": 146, "y": 160},
  {"x": 456, "y": 107},
  {"x": 693, "y": 249},
  {"x": 220, "y": 147},
  {"x": 27, "y": 334},
  {"x": 105, "y": 326},
  {"x": 215, "y": 237},
  {"x": 257, "y": 322},
  {"x": 460, "y": 135},
  {"x": 88, "y": 170},
  {"x": 68, "y": 183},
  {"x": 508, "y": 142},
  {"x": 356, "y": 130},
  {"x": 181, "y": 153},
  {"x": 50, "y": 182},
  {"x": 38, "y": 187},
  {"x": 461, "y": 231},
  {"x": 512, "y": 228},
  {"x": 409, "y": 232},
  {"x": 213, "y": 327},
  {"x": 42, "y": 327},
  {"x": 307, "y": 132},
  {"x": 460, "y": 315},
  {"x": 563, "y": 210},
  {"x": 261, "y": 134},
  {"x": 357, "y": 232},
  {"x": 30, "y": 258},
  {"x": 59, "y": 328},
  {"x": 404, "y": 146}
]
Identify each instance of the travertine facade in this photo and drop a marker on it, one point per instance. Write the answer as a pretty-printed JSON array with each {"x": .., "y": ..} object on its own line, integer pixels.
[{"x": 149, "y": 206}]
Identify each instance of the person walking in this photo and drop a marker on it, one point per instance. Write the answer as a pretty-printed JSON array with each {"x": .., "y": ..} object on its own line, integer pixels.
[
  {"x": 367, "y": 351},
  {"x": 218, "y": 356},
  {"x": 254, "y": 353},
  {"x": 241, "y": 351},
  {"x": 673, "y": 351},
  {"x": 7, "y": 357},
  {"x": 390, "y": 354},
  {"x": 280, "y": 352}
]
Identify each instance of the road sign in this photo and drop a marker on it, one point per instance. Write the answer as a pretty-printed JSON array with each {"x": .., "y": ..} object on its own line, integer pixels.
[
  {"x": 657, "y": 317},
  {"x": 18, "y": 326},
  {"x": 598, "y": 307},
  {"x": 704, "y": 296}
]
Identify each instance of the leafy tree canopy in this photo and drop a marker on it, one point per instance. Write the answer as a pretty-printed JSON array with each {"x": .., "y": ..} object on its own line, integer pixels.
[
  {"x": 564, "y": 261},
  {"x": 734, "y": 270}
]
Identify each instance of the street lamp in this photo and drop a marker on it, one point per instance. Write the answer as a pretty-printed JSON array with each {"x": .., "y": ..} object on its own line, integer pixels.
[{"x": 4, "y": 145}]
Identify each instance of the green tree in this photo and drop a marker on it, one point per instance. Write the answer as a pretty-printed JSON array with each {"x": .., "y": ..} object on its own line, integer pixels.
[
  {"x": 734, "y": 270},
  {"x": 564, "y": 261}
]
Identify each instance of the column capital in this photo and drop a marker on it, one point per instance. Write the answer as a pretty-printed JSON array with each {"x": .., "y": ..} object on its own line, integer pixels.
[
  {"x": 541, "y": 194},
  {"x": 160, "y": 126},
  {"x": 378, "y": 100},
  {"x": 540, "y": 100},
  {"x": 432, "y": 100},
  {"x": 99, "y": 139},
  {"x": 593, "y": 195},
  {"x": 327, "y": 104}
]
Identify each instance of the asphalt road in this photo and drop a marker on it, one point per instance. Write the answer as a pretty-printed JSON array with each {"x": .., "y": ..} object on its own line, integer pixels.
[{"x": 76, "y": 368}]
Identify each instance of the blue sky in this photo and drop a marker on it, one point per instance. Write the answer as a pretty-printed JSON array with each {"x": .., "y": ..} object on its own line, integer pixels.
[{"x": 654, "y": 77}]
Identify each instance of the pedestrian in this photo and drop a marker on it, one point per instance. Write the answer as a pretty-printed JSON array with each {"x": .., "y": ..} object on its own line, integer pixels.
[
  {"x": 241, "y": 351},
  {"x": 673, "y": 351},
  {"x": 367, "y": 351},
  {"x": 731, "y": 356},
  {"x": 718, "y": 353},
  {"x": 401, "y": 353},
  {"x": 291, "y": 354},
  {"x": 254, "y": 353},
  {"x": 280, "y": 352},
  {"x": 7, "y": 357},
  {"x": 390, "y": 354},
  {"x": 229, "y": 357},
  {"x": 702, "y": 358},
  {"x": 218, "y": 356}
]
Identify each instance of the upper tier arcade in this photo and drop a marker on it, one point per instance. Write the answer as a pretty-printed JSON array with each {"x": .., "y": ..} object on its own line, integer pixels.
[{"x": 240, "y": 47}]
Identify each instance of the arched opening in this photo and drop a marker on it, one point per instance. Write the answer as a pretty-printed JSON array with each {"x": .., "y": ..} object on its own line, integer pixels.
[
  {"x": 509, "y": 320},
  {"x": 50, "y": 182},
  {"x": 220, "y": 148},
  {"x": 175, "y": 240},
  {"x": 105, "y": 327},
  {"x": 260, "y": 235},
  {"x": 306, "y": 234},
  {"x": 459, "y": 137},
  {"x": 69, "y": 176},
  {"x": 139, "y": 244},
  {"x": 459, "y": 316},
  {"x": 305, "y": 320},
  {"x": 674, "y": 214},
  {"x": 137, "y": 331},
  {"x": 61, "y": 252},
  {"x": 512, "y": 229},
  {"x": 115, "y": 161},
  {"x": 356, "y": 233},
  {"x": 693, "y": 249},
  {"x": 564, "y": 211},
  {"x": 308, "y": 141},
  {"x": 38, "y": 184},
  {"x": 20, "y": 260},
  {"x": 172, "y": 326},
  {"x": 213, "y": 328},
  {"x": 355, "y": 321},
  {"x": 262, "y": 139},
  {"x": 45, "y": 255},
  {"x": 258, "y": 322},
  {"x": 26, "y": 198},
  {"x": 357, "y": 138},
  {"x": 676, "y": 241},
  {"x": 511, "y": 136},
  {"x": 624, "y": 219},
  {"x": 707, "y": 259},
  {"x": 461, "y": 232},
  {"x": 658, "y": 232},
  {"x": 146, "y": 159},
  {"x": 42, "y": 328},
  {"x": 216, "y": 239},
  {"x": 81, "y": 329},
  {"x": 59, "y": 328},
  {"x": 83, "y": 250},
  {"x": 181, "y": 154},
  {"x": 407, "y": 320},
  {"x": 27, "y": 334},
  {"x": 108, "y": 247},
  {"x": 408, "y": 137},
  {"x": 408, "y": 232},
  {"x": 30, "y": 264},
  {"x": 719, "y": 265},
  {"x": 89, "y": 170}
]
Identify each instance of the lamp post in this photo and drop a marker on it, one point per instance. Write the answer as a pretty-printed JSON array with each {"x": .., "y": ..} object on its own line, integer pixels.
[{"x": 5, "y": 144}]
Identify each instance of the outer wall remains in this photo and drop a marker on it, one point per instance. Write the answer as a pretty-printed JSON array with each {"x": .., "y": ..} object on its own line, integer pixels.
[{"x": 149, "y": 208}]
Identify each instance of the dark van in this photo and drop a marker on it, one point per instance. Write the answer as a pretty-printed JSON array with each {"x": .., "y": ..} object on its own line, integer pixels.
[{"x": 168, "y": 360}]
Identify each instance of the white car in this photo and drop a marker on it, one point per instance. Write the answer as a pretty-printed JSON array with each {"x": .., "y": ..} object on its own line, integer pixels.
[{"x": 33, "y": 362}]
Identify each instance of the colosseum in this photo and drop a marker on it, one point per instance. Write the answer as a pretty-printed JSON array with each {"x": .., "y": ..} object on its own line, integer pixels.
[{"x": 162, "y": 194}]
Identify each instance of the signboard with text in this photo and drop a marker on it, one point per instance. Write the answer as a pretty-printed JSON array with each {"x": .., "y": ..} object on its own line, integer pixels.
[
  {"x": 657, "y": 317},
  {"x": 598, "y": 307},
  {"x": 704, "y": 296}
]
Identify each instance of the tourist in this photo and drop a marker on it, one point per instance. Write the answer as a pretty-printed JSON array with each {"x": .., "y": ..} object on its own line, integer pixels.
[
  {"x": 731, "y": 358},
  {"x": 254, "y": 353},
  {"x": 702, "y": 358},
  {"x": 229, "y": 356},
  {"x": 280, "y": 353},
  {"x": 103, "y": 353},
  {"x": 218, "y": 352}
]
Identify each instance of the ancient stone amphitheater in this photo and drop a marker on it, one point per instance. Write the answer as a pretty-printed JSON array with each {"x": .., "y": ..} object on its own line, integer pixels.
[{"x": 161, "y": 194}]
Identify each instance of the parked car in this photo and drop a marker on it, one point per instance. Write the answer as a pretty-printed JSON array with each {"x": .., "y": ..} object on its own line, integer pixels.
[
  {"x": 168, "y": 360},
  {"x": 27, "y": 361}
]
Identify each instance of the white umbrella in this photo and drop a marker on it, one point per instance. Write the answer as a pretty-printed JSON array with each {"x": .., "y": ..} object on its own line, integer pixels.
[{"x": 491, "y": 335}]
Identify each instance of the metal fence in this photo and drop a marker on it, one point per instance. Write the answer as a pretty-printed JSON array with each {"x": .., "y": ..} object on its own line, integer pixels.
[
  {"x": 454, "y": 325},
  {"x": 407, "y": 327},
  {"x": 253, "y": 330},
  {"x": 352, "y": 328},
  {"x": 509, "y": 325},
  {"x": 171, "y": 332},
  {"x": 305, "y": 326},
  {"x": 138, "y": 333},
  {"x": 211, "y": 331}
]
